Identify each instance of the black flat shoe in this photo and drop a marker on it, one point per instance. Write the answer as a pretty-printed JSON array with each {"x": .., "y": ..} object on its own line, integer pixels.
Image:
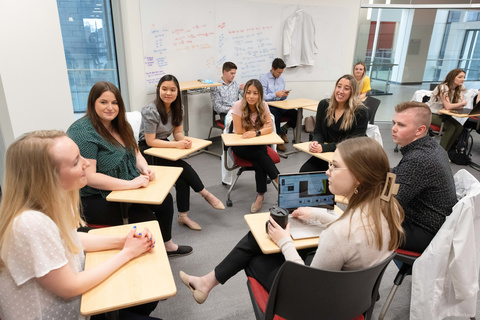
[{"x": 181, "y": 251}]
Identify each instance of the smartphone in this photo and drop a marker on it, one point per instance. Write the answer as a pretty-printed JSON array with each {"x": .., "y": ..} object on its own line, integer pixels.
[{"x": 288, "y": 91}]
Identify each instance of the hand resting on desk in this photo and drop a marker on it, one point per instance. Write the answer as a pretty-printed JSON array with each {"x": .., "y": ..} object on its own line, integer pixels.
[
  {"x": 184, "y": 144},
  {"x": 66, "y": 283},
  {"x": 249, "y": 134},
  {"x": 314, "y": 146}
]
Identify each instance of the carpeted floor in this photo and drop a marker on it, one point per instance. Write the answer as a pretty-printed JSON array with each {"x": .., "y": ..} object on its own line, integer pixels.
[{"x": 222, "y": 230}]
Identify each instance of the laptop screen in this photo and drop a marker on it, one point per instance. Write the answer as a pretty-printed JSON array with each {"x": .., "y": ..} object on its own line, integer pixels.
[{"x": 306, "y": 189}]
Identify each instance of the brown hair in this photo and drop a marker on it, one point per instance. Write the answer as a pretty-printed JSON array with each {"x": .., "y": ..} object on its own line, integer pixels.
[
  {"x": 175, "y": 107},
  {"x": 453, "y": 92},
  {"x": 32, "y": 183},
  {"x": 424, "y": 114},
  {"x": 227, "y": 66},
  {"x": 368, "y": 162},
  {"x": 119, "y": 124},
  {"x": 246, "y": 121}
]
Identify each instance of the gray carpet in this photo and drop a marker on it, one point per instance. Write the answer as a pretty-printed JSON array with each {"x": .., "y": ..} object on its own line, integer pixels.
[{"x": 222, "y": 230}]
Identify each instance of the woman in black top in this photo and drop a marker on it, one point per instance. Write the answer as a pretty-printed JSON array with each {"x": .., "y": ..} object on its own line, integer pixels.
[{"x": 341, "y": 117}]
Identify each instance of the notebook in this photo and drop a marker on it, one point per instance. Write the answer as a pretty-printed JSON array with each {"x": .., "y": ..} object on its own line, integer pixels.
[
  {"x": 309, "y": 189},
  {"x": 475, "y": 110}
]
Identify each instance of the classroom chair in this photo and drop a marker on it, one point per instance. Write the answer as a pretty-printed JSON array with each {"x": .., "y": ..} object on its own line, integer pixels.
[
  {"x": 303, "y": 292},
  {"x": 448, "y": 269},
  {"x": 407, "y": 258},
  {"x": 372, "y": 105},
  {"x": 216, "y": 123},
  {"x": 243, "y": 165},
  {"x": 227, "y": 157}
]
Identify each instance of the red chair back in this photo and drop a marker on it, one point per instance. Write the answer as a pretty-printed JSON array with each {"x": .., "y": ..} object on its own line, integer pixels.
[
  {"x": 435, "y": 128},
  {"x": 408, "y": 253},
  {"x": 220, "y": 124},
  {"x": 97, "y": 226}
]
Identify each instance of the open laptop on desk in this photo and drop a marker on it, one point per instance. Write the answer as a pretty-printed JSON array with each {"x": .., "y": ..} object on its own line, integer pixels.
[
  {"x": 306, "y": 189},
  {"x": 474, "y": 111}
]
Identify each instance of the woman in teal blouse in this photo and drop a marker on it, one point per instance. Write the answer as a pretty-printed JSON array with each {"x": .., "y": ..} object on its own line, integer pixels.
[{"x": 106, "y": 140}]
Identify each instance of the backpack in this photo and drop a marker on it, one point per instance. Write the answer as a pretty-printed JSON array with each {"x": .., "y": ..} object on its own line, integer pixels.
[{"x": 460, "y": 152}]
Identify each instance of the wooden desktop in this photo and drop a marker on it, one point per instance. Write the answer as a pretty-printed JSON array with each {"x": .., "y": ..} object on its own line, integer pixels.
[
  {"x": 144, "y": 279},
  {"x": 174, "y": 154}
]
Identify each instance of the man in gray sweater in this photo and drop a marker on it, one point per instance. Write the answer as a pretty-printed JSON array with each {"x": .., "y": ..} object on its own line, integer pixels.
[{"x": 427, "y": 190}]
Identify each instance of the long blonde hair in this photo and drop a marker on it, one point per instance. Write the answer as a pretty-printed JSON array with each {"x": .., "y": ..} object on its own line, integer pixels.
[
  {"x": 259, "y": 107},
  {"x": 352, "y": 104},
  {"x": 368, "y": 162},
  {"x": 32, "y": 183}
]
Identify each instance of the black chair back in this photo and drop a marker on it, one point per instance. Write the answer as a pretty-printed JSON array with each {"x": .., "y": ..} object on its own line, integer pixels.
[
  {"x": 302, "y": 292},
  {"x": 372, "y": 105}
]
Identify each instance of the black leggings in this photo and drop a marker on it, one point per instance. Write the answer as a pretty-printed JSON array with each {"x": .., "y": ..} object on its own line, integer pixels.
[
  {"x": 188, "y": 178},
  {"x": 416, "y": 238},
  {"x": 314, "y": 164},
  {"x": 98, "y": 210},
  {"x": 248, "y": 256},
  {"x": 262, "y": 164}
]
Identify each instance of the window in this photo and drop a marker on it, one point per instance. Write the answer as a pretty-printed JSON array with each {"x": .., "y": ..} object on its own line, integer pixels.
[
  {"x": 454, "y": 44},
  {"x": 88, "y": 39}
]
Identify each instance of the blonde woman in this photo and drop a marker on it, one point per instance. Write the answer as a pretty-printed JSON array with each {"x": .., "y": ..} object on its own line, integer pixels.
[
  {"x": 251, "y": 118},
  {"x": 42, "y": 255},
  {"x": 342, "y": 117},
  {"x": 366, "y": 234},
  {"x": 359, "y": 72}
]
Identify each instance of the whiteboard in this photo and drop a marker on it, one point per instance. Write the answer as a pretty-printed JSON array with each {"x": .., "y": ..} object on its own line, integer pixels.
[{"x": 191, "y": 39}]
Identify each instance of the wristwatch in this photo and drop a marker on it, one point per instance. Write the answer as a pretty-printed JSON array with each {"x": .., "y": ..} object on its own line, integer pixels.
[{"x": 259, "y": 133}]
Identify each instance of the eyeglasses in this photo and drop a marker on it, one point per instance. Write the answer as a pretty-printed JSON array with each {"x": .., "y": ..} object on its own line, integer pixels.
[{"x": 332, "y": 167}]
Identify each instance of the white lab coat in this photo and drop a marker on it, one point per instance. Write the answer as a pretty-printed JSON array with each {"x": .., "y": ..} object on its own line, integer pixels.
[
  {"x": 445, "y": 278},
  {"x": 299, "y": 47}
]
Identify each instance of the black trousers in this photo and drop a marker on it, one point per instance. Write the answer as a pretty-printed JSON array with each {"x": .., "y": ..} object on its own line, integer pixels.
[
  {"x": 314, "y": 164},
  {"x": 248, "y": 256},
  {"x": 140, "y": 312},
  {"x": 262, "y": 164},
  {"x": 188, "y": 178},
  {"x": 279, "y": 113},
  {"x": 416, "y": 238},
  {"x": 98, "y": 210}
]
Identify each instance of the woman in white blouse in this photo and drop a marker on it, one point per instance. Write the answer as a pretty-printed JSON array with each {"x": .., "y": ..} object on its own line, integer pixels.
[
  {"x": 42, "y": 255},
  {"x": 449, "y": 95},
  {"x": 366, "y": 234}
]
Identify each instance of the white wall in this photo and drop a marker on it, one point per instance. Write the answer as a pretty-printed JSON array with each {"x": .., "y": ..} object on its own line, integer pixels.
[
  {"x": 200, "y": 105},
  {"x": 34, "y": 88}
]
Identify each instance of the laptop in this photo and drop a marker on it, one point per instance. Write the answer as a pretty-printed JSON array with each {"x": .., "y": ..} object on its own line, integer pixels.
[
  {"x": 474, "y": 111},
  {"x": 306, "y": 189}
]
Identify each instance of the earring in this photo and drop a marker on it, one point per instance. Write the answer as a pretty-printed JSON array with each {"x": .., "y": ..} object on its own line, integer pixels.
[{"x": 356, "y": 191}]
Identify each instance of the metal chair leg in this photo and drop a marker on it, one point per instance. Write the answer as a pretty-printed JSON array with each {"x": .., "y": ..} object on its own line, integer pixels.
[
  {"x": 389, "y": 300},
  {"x": 229, "y": 201}
]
